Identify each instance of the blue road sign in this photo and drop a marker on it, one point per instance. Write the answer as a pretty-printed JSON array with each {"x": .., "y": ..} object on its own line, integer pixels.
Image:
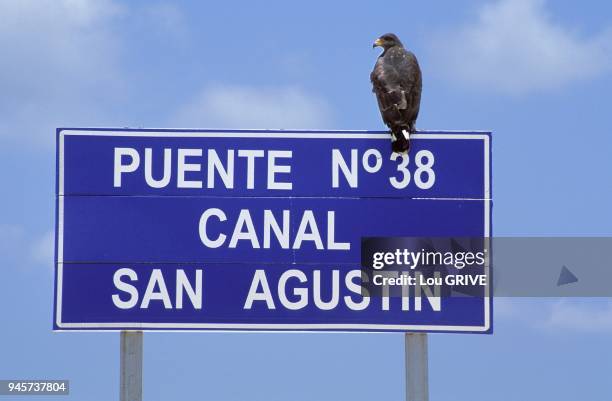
[{"x": 257, "y": 230}]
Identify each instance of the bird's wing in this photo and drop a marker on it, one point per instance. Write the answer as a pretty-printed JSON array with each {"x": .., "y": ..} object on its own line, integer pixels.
[
  {"x": 409, "y": 73},
  {"x": 385, "y": 84},
  {"x": 396, "y": 80},
  {"x": 410, "y": 82}
]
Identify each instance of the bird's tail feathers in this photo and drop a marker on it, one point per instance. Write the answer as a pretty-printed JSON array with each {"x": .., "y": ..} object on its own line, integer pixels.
[{"x": 401, "y": 139}]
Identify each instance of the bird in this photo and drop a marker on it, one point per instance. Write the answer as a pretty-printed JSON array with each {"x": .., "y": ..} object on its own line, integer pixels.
[{"x": 397, "y": 82}]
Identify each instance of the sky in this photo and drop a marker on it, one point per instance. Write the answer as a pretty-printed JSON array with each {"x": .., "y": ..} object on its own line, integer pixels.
[{"x": 537, "y": 73}]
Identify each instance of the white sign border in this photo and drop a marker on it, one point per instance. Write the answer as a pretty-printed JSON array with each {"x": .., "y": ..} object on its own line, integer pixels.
[{"x": 242, "y": 327}]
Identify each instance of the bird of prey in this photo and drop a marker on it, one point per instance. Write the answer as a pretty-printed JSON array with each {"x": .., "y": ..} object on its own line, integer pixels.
[{"x": 397, "y": 83}]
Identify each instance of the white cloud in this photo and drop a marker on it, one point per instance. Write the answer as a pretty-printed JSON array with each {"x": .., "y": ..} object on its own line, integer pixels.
[
  {"x": 58, "y": 58},
  {"x": 515, "y": 46},
  {"x": 506, "y": 308},
  {"x": 589, "y": 315},
  {"x": 43, "y": 249},
  {"x": 578, "y": 316},
  {"x": 231, "y": 106},
  {"x": 20, "y": 248}
]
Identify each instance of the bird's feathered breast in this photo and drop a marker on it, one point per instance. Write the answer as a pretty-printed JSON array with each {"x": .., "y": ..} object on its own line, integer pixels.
[{"x": 396, "y": 69}]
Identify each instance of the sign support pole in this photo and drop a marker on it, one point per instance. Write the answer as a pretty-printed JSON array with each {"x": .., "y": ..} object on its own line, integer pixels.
[
  {"x": 417, "y": 378},
  {"x": 131, "y": 366}
]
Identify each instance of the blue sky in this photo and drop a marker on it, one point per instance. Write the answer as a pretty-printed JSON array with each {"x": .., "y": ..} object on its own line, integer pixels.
[{"x": 537, "y": 73}]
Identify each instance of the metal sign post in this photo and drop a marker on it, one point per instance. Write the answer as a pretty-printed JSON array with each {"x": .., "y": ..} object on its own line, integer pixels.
[
  {"x": 417, "y": 377},
  {"x": 131, "y": 366}
]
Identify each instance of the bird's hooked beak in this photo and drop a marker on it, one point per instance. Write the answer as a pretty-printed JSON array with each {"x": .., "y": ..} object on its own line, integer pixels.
[{"x": 377, "y": 42}]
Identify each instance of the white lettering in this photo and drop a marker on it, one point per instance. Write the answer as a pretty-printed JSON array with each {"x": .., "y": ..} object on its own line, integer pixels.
[
  {"x": 356, "y": 289},
  {"x": 156, "y": 280},
  {"x": 125, "y": 287},
  {"x": 331, "y": 241},
  {"x": 333, "y": 302},
  {"x": 121, "y": 168},
  {"x": 184, "y": 167},
  {"x": 338, "y": 162},
  {"x": 214, "y": 164},
  {"x": 250, "y": 155},
  {"x": 183, "y": 284},
  {"x": 244, "y": 219},
  {"x": 165, "y": 180},
  {"x": 308, "y": 222},
  {"x": 216, "y": 243},
  {"x": 273, "y": 169},
  {"x": 302, "y": 293},
  {"x": 265, "y": 295},
  {"x": 270, "y": 224}
]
